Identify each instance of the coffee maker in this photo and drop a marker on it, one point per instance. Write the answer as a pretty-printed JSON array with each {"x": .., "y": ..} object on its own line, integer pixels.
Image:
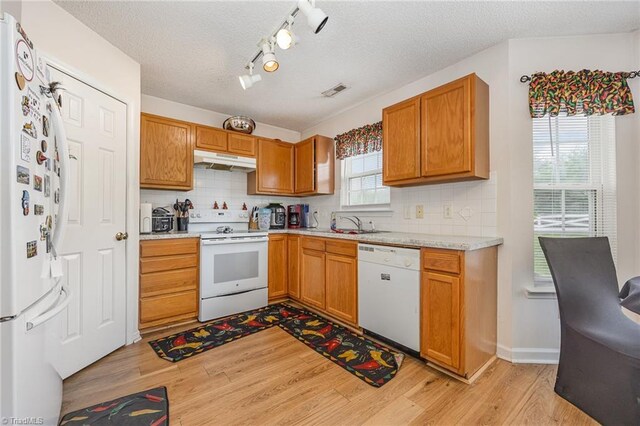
[
  {"x": 294, "y": 216},
  {"x": 278, "y": 216}
]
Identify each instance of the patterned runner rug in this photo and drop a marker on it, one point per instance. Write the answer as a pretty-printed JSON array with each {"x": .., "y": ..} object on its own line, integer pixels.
[
  {"x": 367, "y": 360},
  {"x": 146, "y": 408}
]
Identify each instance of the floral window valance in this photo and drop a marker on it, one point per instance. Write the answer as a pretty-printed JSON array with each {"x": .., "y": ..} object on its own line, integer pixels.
[
  {"x": 362, "y": 140},
  {"x": 582, "y": 92}
]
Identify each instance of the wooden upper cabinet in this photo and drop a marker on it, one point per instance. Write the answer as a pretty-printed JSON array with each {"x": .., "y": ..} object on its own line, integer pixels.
[
  {"x": 446, "y": 130},
  {"x": 305, "y": 166},
  {"x": 166, "y": 153},
  {"x": 274, "y": 170},
  {"x": 401, "y": 141},
  {"x": 241, "y": 144},
  {"x": 210, "y": 138}
]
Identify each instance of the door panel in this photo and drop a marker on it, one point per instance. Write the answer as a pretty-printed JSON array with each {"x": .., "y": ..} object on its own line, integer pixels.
[
  {"x": 275, "y": 166},
  {"x": 166, "y": 153},
  {"x": 240, "y": 144},
  {"x": 446, "y": 129},
  {"x": 305, "y": 166},
  {"x": 211, "y": 139},
  {"x": 293, "y": 275},
  {"x": 277, "y": 266},
  {"x": 94, "y": 267},
  {"x": 441, "y": 318},
  {"x": 341, "y": 288},
  {"x": 401, "y": 141},
  {"x": 312, "y": 278}
]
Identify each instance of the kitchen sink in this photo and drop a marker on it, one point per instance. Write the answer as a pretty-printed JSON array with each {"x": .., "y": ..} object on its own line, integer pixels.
[{"x": 357, "y": 231}]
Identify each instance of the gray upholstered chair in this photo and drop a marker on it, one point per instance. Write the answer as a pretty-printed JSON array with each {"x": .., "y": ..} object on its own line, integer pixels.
[{"x": 599, "y": 369}]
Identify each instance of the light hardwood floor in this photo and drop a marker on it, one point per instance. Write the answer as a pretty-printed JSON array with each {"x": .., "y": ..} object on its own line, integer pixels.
[{"x": 272, "y": 378}]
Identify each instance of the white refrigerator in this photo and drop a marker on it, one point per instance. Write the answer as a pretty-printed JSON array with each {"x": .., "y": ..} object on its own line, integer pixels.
[{"x": 33, "y": 159}]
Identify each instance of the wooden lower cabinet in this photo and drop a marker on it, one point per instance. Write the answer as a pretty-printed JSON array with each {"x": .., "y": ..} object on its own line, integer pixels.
[
  {"x": 329, "y": 277},
  {"x": 168, "y": 281},
  {"x": 459, "y": 308},
  {"x": 277, "y": 266},
  {"x": 341, "y": 287},
  {"x": 312, "y": 277},
  {"x": 293, "y": 271}
]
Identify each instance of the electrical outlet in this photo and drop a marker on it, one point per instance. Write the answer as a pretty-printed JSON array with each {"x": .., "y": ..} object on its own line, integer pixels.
[
  {"x": 446, "y": 211},
  {"x": 419, "y": 211}
]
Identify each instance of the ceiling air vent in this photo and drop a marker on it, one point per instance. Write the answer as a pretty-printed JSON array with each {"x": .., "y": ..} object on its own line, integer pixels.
[{"x": 334, "y": 90}]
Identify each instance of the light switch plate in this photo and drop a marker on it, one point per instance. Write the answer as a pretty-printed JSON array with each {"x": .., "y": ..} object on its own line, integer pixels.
[
  {"x": 446, "y": 211},
  {"x": 419, "y": 211}
]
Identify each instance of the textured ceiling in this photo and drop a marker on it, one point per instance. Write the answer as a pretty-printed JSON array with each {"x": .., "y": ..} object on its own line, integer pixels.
[{"x": 192, "y": 52}]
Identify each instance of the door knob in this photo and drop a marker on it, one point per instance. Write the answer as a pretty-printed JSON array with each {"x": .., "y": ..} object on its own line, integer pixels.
[{"x": 122, "y": 236}]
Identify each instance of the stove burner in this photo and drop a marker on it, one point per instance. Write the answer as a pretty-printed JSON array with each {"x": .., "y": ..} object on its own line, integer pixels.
[{"x": 224, "y": 230}]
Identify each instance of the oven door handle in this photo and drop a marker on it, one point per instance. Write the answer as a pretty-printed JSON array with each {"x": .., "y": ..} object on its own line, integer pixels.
[{"x": 221, "y": 242}]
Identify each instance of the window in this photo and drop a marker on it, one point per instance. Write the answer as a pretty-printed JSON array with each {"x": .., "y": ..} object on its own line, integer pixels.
[
  {"x": 574, "y": 171},
  {"x": 362, "y": 181}
]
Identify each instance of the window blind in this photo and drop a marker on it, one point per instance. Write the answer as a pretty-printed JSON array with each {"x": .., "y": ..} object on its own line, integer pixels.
[{"x": 574, "y": 175}]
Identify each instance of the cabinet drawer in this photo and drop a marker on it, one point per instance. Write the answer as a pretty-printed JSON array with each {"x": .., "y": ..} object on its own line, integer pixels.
[
  {"x": 167, "y": 263},
  {"x": 157, "y": 283},
  {"x": 441, "y": 260},
  {"x": 313, "y": 243},
  {"x": 169, "y": 247},
  {"x": 168, "y": 306},
  {"x": 343, "y": 248}
]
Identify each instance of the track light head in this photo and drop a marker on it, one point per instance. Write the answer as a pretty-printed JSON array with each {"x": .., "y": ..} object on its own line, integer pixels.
[
  {"x": 316, "y": 18},
  {"x": 269, "y": 61},
  {"x": 248, "y": 80},
  {"x": 285, "y": 38}
]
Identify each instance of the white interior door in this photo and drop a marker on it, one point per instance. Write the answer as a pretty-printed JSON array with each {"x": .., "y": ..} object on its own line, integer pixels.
[{"x": 93, "y": 260}]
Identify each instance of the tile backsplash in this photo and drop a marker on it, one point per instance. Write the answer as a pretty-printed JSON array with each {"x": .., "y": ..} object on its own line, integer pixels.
[
  {"x": 210, "y": 186},
  {"x": 472, "y": 205}
]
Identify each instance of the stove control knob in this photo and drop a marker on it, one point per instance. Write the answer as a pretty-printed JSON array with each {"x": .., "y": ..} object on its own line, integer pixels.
[
  {"x": 198, "y": 215},
  {"x": 386, "y": 259},
  {"x": 193, "y": 215},
  {"x": 407, "y": 262}
]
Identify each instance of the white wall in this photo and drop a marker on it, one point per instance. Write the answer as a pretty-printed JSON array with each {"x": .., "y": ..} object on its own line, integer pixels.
[
  {"x": 528, "y": 328},
  {"x": 80, "y": 50},
  {"x": 166, "y": 108},
  {"x": 212, "y": 185}
]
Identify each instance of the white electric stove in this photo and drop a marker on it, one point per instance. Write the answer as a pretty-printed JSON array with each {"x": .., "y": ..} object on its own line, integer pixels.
[{"x": 233, "y": 262}]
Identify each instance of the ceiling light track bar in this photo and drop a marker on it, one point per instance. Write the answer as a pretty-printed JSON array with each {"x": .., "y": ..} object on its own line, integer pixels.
[{"x": 284, "y": 24}]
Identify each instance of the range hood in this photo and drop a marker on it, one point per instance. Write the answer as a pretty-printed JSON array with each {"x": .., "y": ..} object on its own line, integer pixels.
[{"x": 228, "y": 162}]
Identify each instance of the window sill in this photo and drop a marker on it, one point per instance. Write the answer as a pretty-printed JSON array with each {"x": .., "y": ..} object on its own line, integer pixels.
[{"x": 541, "y": 292}]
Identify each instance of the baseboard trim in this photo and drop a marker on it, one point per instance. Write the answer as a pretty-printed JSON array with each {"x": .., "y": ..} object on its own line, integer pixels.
[{"x": 529, "y": 355}]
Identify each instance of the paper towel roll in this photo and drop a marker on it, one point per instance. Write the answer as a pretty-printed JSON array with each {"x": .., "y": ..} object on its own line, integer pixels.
[{"x": 145, "y": 218}]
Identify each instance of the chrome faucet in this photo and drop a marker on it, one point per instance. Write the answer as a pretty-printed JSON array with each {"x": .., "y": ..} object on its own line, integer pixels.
[{"x": 357, "y": 222}]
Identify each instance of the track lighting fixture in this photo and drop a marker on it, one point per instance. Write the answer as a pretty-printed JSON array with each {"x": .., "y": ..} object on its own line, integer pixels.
[
  {"x": 285, "y": 36},
  {"x": 247, "y": 80},
  {"x": 269, "y": 61},
  {"x": 316, "y": 18}
]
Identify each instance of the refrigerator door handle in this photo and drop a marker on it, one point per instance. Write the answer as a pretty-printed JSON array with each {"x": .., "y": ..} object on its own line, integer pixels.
[
  {"x": 61, "y": 304},
  {"x": 61, "y": 139}
]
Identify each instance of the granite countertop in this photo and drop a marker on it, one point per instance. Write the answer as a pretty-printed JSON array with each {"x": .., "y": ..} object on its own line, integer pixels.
[
  {"x": 451, "y": 242},
  {"x": 166, "y": 235}
]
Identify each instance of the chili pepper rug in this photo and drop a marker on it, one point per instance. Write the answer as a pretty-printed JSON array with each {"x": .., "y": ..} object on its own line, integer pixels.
[
  {"x": 146, "y": 408},
  {"x": 369, "y": 361}
]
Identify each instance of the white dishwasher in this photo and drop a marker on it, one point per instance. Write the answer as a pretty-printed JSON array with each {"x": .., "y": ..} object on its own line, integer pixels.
[{"x": 389, "y": 294}]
